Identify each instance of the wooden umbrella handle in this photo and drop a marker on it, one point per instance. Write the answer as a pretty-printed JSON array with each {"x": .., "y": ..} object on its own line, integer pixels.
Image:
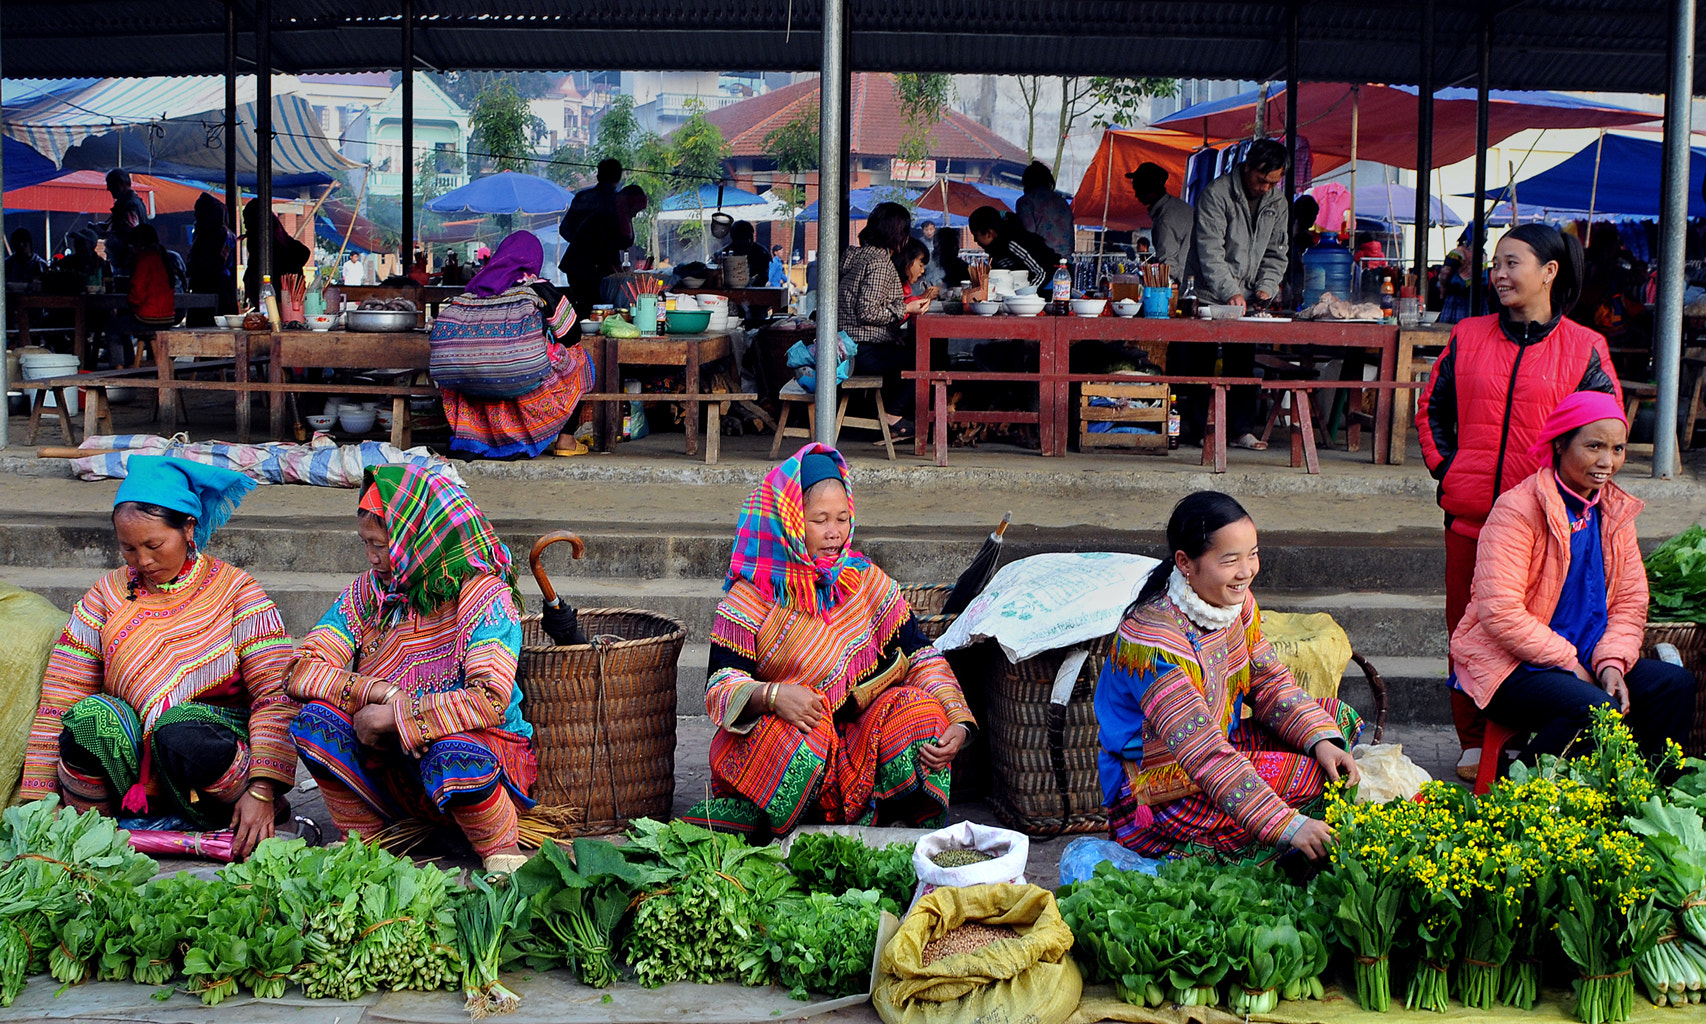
[{"x": 577, "y": 548}]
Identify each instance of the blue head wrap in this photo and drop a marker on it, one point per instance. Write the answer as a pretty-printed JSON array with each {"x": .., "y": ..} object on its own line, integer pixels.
[{"x": 208, "y": 493}]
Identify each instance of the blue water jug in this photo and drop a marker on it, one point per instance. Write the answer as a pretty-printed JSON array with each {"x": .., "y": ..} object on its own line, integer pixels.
[{"x": 1327, "y": 268}]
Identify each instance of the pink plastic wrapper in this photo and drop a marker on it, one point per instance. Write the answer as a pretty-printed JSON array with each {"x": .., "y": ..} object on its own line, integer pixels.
[{"x": 205, "y": 845}]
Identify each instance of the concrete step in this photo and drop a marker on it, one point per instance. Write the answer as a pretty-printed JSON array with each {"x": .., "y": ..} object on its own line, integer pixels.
[
  {"x": 1409, "y": 563},
  {"x": 1379, "y": 624}
]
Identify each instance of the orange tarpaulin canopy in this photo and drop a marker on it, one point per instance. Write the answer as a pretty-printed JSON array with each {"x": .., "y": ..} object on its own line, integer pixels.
[
  {"x": 1105, "y": 186},
  {"x": 86, "y": 192}
]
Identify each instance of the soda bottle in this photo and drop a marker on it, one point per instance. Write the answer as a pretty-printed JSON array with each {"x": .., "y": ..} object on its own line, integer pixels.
[
  {"x": 1173, "y": 416},
  {"x": 1388, "y": 302},
  {"x": 1188, "y": 300},
  {"x": 1062, "y": 289}
]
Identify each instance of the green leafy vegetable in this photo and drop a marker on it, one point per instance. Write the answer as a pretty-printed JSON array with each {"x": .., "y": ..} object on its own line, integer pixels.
[
  {"x": 824, "y": 943},
  {"x": 577, "y": 904},
  {"x": 829, "y": 863},
  {"x": 1676, "y": 578}
]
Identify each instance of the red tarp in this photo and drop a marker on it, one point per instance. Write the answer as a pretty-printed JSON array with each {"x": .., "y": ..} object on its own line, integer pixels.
[
  {"x": 86, "y": 192},
  {"x": 361, "y": 232},
  {"x": 963, "y": 198},
  {"x": 1119, "y": 155}
]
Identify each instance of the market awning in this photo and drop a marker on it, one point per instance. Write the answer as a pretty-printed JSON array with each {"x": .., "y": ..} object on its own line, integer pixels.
[
  {"x": 712, "y": 197},
  {"x": 86, "y": 192},
  {"x": 24, "y": 166},
  {"x": 337, "y": 220},
  {"x": 1105, "y": 193},
  {"x": 1627, "y": 183},
  {"x": 1385, "y": 119},
  {"x": 860, "y": 201}
]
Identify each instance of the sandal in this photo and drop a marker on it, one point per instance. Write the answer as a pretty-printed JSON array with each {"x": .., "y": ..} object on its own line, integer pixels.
[
  {"x": 1249, "y": 442},
  {"x": 902, "y": 429}
]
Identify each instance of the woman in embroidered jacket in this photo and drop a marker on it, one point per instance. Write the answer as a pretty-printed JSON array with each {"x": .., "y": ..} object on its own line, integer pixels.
[
  {"x": 412, "y": 705},
  {"x": 165, "y": 694},
  {"x": 831, "y": 705},
  {"x": 1183, "y": 772}
]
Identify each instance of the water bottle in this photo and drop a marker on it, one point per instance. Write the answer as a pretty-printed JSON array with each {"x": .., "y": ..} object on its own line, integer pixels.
[
  {"x": 1328, "y": 267},
  {"x": 1062, "y": 289},
  {"x": 269, "y": 302}
]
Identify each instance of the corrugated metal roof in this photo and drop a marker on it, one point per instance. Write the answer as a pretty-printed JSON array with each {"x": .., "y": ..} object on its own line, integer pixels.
[{"x": 1606, "y": 45}]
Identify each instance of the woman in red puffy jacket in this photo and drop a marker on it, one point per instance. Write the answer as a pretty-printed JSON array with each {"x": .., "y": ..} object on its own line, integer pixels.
[{"x": 1487, "y": 398}]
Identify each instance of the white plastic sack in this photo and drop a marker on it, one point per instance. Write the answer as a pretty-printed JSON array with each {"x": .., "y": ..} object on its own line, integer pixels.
[
  {"x": 1387, "y": 773},
  {"x": 1047, "y": 602},
  {"x": 1010, "y": 850}
]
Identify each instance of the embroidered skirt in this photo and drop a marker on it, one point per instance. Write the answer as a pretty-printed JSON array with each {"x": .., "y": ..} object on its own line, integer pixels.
[{"x": 501, "y": 427}]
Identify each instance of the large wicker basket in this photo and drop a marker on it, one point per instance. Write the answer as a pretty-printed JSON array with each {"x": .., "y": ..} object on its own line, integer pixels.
[
  {"x": 603, "y": 716},
  {"x": 1044, "y": 757},
  {"x": 926, "y": 601},
  {"x": 1689, "y": 638}
]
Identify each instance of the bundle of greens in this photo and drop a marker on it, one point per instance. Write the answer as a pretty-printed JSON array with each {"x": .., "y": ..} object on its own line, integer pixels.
[
  {"x": 1673, "y": 969},
  {"x": 823, "y": 943},
  {"x": 828, "y": 863},
  {"x": 1676, "y": 578},
  {"x": 577, "y": 903},
  {"x": 1367, "y": 885},
  {"x": 158, "y": 926},
  {"x": 485, "y": 918},
  {"x": 700, "y": 922}
]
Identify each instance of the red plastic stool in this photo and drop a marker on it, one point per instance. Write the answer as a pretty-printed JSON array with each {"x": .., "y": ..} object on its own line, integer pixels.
[{"x": 1494, "y": 740}]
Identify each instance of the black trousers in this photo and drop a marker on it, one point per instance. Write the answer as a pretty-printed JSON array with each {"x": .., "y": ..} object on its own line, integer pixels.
[{"x": 1555, "y": 706}]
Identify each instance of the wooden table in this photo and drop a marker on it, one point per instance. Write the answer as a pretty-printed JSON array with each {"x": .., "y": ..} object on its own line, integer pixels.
[
  {"x": 80, "y": 306},
  {"x": 934, "y": 327},
  {"x": 688, "y": 351},
  {"x": 426, "y": 297},
  {"x": 766, "y": 297},
  {"x": 1410, "y": 339}
]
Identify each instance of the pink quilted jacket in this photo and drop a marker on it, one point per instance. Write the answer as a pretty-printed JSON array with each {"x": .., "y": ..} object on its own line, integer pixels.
[{"x": 1521, "y": 561}]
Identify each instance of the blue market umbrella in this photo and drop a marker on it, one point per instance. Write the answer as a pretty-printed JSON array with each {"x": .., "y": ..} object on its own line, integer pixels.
[
  {"x": 714, "y": 197},
  {"x": 507, "y": 192}
]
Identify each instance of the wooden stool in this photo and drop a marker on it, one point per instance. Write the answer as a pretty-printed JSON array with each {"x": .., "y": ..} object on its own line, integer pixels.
[
  {"x": 792, "y": 394},
  {"x": 1292, "y": 409}
]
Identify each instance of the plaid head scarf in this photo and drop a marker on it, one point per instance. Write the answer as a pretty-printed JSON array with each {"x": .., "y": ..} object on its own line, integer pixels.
[
  {"x": 439, "y": 539},
  {"x": 770, "y": 542}
]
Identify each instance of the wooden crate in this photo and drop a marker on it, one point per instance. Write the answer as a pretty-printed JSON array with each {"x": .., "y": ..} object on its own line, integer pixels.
[{"x": 1148, "y": 444}]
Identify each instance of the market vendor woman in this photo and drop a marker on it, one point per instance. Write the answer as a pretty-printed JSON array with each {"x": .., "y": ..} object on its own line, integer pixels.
[
  {"x": 1183, "y": 771},
  {"x": 412, "y": 705},
  {"x": 164, "y": 698},
  {"x": 831, "y": 705}
]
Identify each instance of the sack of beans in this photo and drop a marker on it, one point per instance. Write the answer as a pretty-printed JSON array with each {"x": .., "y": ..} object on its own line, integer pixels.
[
  {"x": 979, "y": 953},
  {"x": 969, "y": 854}
]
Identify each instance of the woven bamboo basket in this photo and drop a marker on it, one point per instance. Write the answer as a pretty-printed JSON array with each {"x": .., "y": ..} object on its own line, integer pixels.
[
  {"x": 1044, "y": 762},
  {"x": 1689, "y": 638},
  {"x": 926, "y": 601}
]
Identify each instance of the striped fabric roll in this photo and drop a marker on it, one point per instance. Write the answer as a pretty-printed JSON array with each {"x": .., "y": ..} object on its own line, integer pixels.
[{"x": 491, "y": 347}]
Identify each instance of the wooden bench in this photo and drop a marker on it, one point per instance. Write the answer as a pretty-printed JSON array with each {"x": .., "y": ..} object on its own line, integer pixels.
[
  {"x": 97, "y": 416},
  {"x": 715, "y": 405}
]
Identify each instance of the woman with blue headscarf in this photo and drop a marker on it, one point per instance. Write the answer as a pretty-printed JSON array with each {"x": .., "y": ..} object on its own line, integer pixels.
[
  {"x": 831, "y": 705},
  {"x": 164, "y": 697}
]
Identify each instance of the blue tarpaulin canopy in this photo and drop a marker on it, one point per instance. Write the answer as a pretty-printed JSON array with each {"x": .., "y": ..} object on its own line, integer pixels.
[
  {"x": 507, "y": 192},
  {"x": 1629, "y": 176},
  {"x": 710, "y": 199},
  {"x": 860, "y": 201},
  {"x": 24, "y": 166}
]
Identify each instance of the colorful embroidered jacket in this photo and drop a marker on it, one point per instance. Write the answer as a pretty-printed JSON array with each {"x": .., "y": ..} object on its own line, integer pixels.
[
  {"x": 1169, "y": 698},
  {"x": 456, "y": 667},
  {"x": 755, "y": 642},
  {"x": 214, "y": 637}
]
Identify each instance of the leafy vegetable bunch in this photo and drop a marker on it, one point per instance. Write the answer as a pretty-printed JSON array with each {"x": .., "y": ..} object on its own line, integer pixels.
[
  {"x": 833, "y": 864},
  {"x": 824, "y": 943},
  {"x": 1676, "y": 578},
  {"x": 576, "y": 904},
  {"x": 1674, "y": 970}
]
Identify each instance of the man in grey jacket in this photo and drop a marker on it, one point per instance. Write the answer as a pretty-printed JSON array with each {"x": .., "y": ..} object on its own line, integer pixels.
[
  {"x": 1238, "y": 257},
  {"x": 1170, "y": 215}
]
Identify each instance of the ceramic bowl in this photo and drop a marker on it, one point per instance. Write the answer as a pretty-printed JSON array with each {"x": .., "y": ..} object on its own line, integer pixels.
[
  {"x": 1025, "y": 305},
  {"x": 986, "y": 308},
  {"x": 383, "y": 418},
  {"x": 322, "y": 323},
  {"x": 356, "y": 421},
  {"x": 229, "y": 322},
  {"x": 688, "y": 323},
  {"x": 589, "y": 326},
  {"x": 1089, "y": 307},
  {"x": 322, "y": 422},
  {"x": 1024, "y": 289},
  {"x": 1127, "y": 307}
]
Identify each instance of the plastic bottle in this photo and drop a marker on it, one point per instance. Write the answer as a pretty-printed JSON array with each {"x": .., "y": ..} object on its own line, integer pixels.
[
  {"x": 1388, "y": 302},
  {"x": 1173, "y": 419},
  {"x": 1062, "y": 289},
  {"x": 269, "y": 303},
  {"x": 1328, "y": 267},
  {"x": 1188, "y": 301}
]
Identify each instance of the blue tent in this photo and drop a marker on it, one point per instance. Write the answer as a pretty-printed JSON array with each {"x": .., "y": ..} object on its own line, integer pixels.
[
  {"x": 1629, "y": 176},
  {"x": 712, "y": 197},
  {"x": 860, "y": 201},
  {"x": 24, "y": 166}
]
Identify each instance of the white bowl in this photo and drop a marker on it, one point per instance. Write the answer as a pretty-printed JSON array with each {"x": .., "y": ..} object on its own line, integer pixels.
[
  {"x": 1430, "y": 317},
  {"x": 1025, "y": 289},
  {"x": 1127, "y": 308},
  {"x": 1025, "y": 305},
  {"x": 321, "y": 323},
  {"x": 356, "y": 421},
  {"x": 322, "y": 422},
  {"x": 589, "y": 326},
  {"x": 1089, "y": 307},
  {"x": 228, "y": 321},
  {"x": 986, "y": 308},
  {"x": 383, "y": 417}
]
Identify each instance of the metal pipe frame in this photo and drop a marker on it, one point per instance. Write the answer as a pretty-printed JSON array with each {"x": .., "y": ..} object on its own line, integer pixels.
[
  {"x": 262, "y": 245},
  {"x": 832, "y": 200},
  {"x": 1673, "y": 233},
  {"x": 1478, "y": 242},
  {"x": 1292, "y": 18},
  {"x": 406, "y": 257},
  {"x": 230, "y": 138},
  {"x": 1424, "y": 148}
]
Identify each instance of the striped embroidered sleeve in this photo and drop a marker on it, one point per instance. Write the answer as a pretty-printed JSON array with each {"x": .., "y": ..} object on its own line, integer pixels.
[
  {"x": 732, "y": 681},
  {"x": 493, "y": 625},
  {"x": 321, "y": 667},
  {"x": 263, "y": 652},
  {"x": 929, "y": 671},
  {"x": 74, "y": 671},
  {"x": 1191, "y": 729},
  {"x": 1275, "y": 698}
]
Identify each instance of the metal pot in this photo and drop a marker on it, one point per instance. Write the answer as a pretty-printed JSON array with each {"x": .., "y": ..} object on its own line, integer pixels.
[{"x": 380, "y": 320}]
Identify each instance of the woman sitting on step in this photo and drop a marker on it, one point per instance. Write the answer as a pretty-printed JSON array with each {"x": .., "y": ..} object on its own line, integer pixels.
[
  {"x": 1183, "y": 771},
  {"x": 164, "y": 698},
  {"x": 831, "y": 705},
  {"x": 411, "y": 704}
]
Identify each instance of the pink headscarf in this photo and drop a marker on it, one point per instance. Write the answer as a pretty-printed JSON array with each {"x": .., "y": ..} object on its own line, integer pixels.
[{"x": 1578, "y": 410}]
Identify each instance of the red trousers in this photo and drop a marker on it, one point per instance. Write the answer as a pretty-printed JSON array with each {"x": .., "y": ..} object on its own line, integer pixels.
[{"x": 1459, "y": 574}]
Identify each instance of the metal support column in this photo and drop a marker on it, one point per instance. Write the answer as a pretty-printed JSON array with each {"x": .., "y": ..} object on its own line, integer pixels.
[
  {"x": 1424, "y": 148},
  {"x": 261, "y": 245},
  {"x": 1673, "y": 231},
  {"x": 1293, "y": 16},
  {"x": 1478, "y": 237},
  {"x": 831, "y": 201},
  {"x": 5, "y": 314},
  {"x": 408, "y": 169},
  {"x": 230, "y": 137}
]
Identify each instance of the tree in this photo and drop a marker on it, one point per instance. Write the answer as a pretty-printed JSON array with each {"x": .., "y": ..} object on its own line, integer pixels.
[
  {"x": 504, "y": 128},
  {"x": 617, "y": 134},
  {"x": 1030, "y": 94},
  {"x": 1078, "y": 96},
  {"x": 1123, "y": 101},
  {"x": 796, "y": 148},
  {"x": 923, "y": 101},
  {"x": 465, "y": 87},
  {"x": 699, "y": 155},
  {"x": 430, "y": 170}
]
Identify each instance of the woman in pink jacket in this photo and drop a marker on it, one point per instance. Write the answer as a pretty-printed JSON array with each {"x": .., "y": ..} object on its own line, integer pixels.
[{"x": 1559, "y": 602}]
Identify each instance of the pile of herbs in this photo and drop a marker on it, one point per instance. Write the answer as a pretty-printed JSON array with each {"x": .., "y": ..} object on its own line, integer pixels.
[
  {"x": 1676, "y": 578},
  {"x": 576, "y": 904},
  {"x": 823, "y": 943},
  {"x": 833, "y": 864}
]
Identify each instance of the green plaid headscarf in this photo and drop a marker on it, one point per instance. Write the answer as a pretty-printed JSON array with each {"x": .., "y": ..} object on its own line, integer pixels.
[{"x": 439, "y": 539}]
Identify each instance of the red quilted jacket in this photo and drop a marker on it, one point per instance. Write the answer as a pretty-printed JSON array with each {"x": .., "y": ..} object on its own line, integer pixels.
[{"x": 1487, "y": 398}]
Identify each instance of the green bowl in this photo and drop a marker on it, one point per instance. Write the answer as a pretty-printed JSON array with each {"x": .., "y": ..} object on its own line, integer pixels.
[{"x": 688, "y": 323}]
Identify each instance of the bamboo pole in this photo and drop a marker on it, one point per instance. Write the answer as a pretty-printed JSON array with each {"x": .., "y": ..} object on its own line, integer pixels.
[{"x": 1593, "y": 194}]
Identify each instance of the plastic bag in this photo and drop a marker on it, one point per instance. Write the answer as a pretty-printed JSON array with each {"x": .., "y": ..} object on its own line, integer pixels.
[
  {"x": 1078, "y": 861},
  {"x": 802, "y": 359},
  {"x": 1046, "y": 602},
  {"x": 1387, "y": 773},
  {"x": 1009, "y": 851},
  {"x": 1030, "y": 977}
]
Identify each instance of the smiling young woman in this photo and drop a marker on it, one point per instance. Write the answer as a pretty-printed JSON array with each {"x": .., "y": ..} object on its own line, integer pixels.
[
  {"x": 1488, "y": 396},
  {"x": 1190, "y": 653}
]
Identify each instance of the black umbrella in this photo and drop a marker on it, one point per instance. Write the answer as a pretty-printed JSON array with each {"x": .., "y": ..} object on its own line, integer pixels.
[
  {"x": 978, "y": 573},
  {"x": 558, "y": 618}
]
